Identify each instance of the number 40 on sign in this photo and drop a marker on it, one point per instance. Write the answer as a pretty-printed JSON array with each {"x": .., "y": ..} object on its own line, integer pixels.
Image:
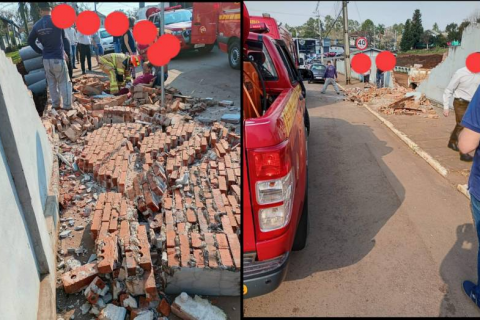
[{"x": 361, "y": 43}]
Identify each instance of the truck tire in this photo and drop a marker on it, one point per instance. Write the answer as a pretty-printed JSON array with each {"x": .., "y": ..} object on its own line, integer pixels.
[
  {"x": 302, "y": 230},
  {"x": 306, "y": 119},
  {"x": 234, "y": 55},
  {"x": 206, "y": 49}
]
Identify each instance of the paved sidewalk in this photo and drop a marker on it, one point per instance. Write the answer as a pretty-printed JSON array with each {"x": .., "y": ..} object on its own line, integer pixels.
[{"x": 431, "y": 135}]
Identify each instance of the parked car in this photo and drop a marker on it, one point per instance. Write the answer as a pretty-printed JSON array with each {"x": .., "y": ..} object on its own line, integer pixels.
[
  {"x": 107, "y": 41},
  {"x": 318, "y": 71}
]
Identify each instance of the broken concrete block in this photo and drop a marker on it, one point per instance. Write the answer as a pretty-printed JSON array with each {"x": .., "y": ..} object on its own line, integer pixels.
[
  {"x": 195, "y": 309},
  {"x": 144, "y": 315},
  {"x": 112, "y": 312},
  {"x": 94, "y": 290},
  {"x": 225, "y": 103},
  {"x": 231, "y": 118}
]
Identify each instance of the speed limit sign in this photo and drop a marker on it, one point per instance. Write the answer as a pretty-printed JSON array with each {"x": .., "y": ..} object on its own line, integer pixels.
[{"x": 361, "y": 43}]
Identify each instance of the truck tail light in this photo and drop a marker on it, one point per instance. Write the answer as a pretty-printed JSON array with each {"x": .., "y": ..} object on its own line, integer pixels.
[{"x": 274, "y": 181}]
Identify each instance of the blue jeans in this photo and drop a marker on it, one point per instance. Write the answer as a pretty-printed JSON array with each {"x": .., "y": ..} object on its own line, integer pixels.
[
  {"x": 98, "y": 50},
  {"x": 380, "y": 80},
  {"x": 475, "y": 206},
  {"x": 73, "y": 54},
  {"x": 117, "y": 47}
]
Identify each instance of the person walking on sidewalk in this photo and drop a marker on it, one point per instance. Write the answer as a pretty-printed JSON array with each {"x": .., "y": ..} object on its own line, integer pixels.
[
  {"x": 85, "y": 49},
  {"x": 330, "y": 76},
  {"x": 54, "y": 55},
  {"x": 468, "y": 142},
  {"x": 71, "y": 34},
  {"x": 462, "y": 87}
]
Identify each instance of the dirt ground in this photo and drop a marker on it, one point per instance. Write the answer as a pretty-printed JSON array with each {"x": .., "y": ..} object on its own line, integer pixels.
[
  {"x": 428, "y": 61},
  {"x": 401, "y": 78}
]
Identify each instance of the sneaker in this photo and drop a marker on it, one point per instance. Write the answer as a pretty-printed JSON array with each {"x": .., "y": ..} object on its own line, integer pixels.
[
  {"x": 469, "y": 288},
  {"x": 452, "y": 145},
  {"x": 74, "y": 67},
  {"x": 466, "y": 157}
]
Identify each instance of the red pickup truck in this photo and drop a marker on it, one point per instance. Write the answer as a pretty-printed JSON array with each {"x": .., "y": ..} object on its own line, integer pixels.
[{"x": 275, "y": 161}]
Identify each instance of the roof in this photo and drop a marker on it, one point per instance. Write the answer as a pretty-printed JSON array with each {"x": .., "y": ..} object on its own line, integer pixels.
[
  {"x": 8, "y": 21},
  {"x": 368, "y": 50}
]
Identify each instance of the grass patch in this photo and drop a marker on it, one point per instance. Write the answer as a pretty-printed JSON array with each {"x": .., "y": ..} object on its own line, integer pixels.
[
  {"x": 15, "y": 55},
  {"x": 424, "y": 51}
]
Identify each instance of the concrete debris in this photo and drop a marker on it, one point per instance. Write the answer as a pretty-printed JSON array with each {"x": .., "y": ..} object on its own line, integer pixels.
[
  {"x": 196, "y": 309},
  {"x": 65, "y": 233},
  {"x": 231, "y": 118},
  {"x": 393, "y": 101},
  {"x": 113, "y": 312}
]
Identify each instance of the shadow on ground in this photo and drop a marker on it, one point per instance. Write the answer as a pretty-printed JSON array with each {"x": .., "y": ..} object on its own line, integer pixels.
[{"x": 351, "y": 195}]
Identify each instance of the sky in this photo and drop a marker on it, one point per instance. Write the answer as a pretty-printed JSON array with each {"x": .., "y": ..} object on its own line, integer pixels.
[{"x": 296, "y": 13}]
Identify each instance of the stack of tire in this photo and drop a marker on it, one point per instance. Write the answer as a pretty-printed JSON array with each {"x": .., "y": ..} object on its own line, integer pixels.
[{"x": 35, "y": 78}]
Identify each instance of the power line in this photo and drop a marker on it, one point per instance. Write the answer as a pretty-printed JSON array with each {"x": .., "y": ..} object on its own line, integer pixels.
[{"x": 333, "y": 24}]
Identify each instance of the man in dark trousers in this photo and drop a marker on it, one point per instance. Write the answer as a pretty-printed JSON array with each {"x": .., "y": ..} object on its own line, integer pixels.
[
  {"x": 380, "y": 78},
  {"x": 54, "y": 55},
  {"x": 461, "y": 87},
  {"x": 330, "y": 76},
  {"x": 469, "y": 142}
]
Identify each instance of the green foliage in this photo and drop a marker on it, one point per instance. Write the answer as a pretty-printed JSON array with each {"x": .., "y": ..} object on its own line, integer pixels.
[
  {"x": 406, "y": 43},
  {"x": 416, "y": 28},
  {"x": 435, "y": 27},
  {"x": 453, "y": 32}
]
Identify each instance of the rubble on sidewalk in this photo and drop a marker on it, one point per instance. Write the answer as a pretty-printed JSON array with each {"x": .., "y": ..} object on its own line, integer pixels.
[
  {"x": 393, "y": 101},
  {"x": 196, "y": 309},
  {"x": 154, "y": 190}
]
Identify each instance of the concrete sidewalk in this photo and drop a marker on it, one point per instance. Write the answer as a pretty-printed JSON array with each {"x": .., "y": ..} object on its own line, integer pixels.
[{"x": 431, "y": 135}]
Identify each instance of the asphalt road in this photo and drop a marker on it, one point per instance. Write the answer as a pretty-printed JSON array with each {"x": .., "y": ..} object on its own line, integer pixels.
[
  {"x": 205, "y": 75},
  {"x": 388, "y": 235}
]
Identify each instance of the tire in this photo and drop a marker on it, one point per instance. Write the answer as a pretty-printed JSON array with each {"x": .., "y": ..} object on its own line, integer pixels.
[
  {"x": 234, "y": 55},
  {"x": 206, "y": 49},
  {"x": 302, "y": 230},
  {"x": 306, "y": 119}
]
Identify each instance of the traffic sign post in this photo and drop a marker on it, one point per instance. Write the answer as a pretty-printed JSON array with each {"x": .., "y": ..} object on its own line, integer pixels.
[{"x": 361, "y": 43}]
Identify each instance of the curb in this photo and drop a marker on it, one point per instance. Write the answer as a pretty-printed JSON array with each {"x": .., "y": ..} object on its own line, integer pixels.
[{"x": 432, "y": 162}]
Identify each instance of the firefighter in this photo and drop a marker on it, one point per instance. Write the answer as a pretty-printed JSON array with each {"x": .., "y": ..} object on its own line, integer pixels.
[{"x": 117, "y": 66}]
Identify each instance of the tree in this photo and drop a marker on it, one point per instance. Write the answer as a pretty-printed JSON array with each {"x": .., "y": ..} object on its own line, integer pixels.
[
  {"x": 22, "y": 9},
  {"x": 436, "y": 28},
  {"x": 34, "y": 11},
  {"x": 380, "y": 29},
  {"x": 353, "y": 25},
  {"x": 441, "y": 41},
  {"x": 427, "y": 37},
  {"x": 453, "y": 33},
  {"x": 310, "y": 28},
  {"x": 406, "y": 43},
  {"x": 416, "y": 28},
  {"x": 368, "y": 26}
]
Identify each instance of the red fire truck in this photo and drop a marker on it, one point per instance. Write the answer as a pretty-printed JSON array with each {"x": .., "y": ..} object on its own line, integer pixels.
[
  {"x": 275, "y": 160},
  {"x": 218, "y": 22}
]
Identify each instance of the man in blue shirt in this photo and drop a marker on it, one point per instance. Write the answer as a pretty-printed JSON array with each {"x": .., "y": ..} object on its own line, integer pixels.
[
  {"x": 54, "y": 56},
  {"x": 330, "y": 76},
  {"x": 468, "y": 142}
]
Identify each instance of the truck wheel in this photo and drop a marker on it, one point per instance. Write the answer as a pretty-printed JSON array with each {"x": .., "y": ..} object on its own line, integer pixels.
[
  {"x": 306, "y": 118},
  {"x": 234, "y": 55},
  {"x": 206, "y": 49},
  {"x": 302, "y": 230}
]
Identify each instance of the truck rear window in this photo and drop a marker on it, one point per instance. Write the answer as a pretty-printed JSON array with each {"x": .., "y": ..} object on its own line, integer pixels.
[{"x": 264, "y": 62}]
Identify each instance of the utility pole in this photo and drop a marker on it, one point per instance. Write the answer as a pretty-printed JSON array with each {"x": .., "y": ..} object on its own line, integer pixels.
[
  {"x": 320, "y": 32},
  {"x": 395, "y": 45},
  {"x": 162, "y": 69},
  {"x": 346, "y": 43}
]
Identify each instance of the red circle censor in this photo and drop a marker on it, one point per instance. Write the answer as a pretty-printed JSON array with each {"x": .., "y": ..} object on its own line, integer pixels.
[
  {"x": 116, "y": 23},
  {"x": 361, "y": 63},
  {"x": 144, "y": 32},
  {"x": 473, "y": 62},
  {"x": 63, "y": 16},
  {"x": 88, "y": 22},
  {"x": 385, "y": 61},
  {"x": 166, "y": 48}
]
